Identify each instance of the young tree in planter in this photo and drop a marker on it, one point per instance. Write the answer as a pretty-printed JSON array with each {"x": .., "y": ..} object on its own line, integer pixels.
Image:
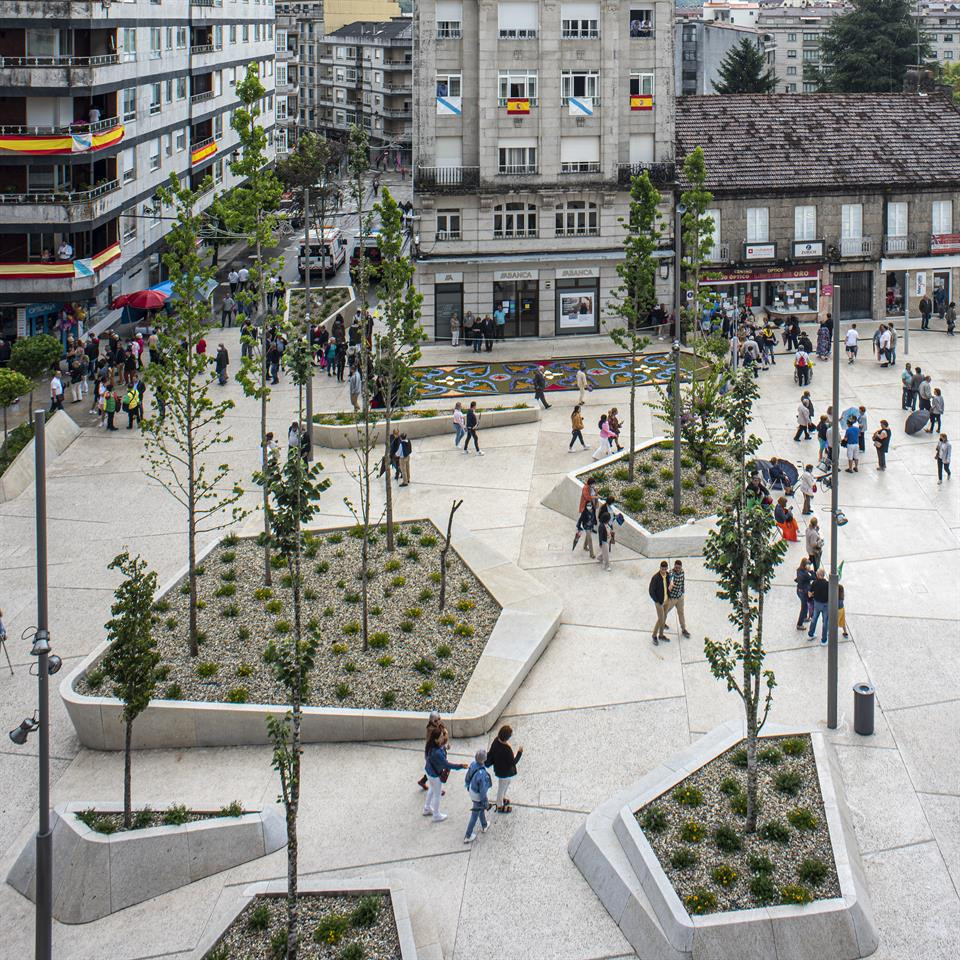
[
  {"x": 250, "y": 208},
  {"x": 178, "y": 444},
  {"x": 697, "y": 230},
  {"x": 293, "y": 489},
  {"x": 34, "y": 356},
  {"x": 638, "y": 294},
  {"x": 398, "y": 347},
  {"x": 444, "y": 550},
  {"x": 744, "y": 551},
  {"x": 13, "y": 386},
  {"x": 131, "y": 660}
]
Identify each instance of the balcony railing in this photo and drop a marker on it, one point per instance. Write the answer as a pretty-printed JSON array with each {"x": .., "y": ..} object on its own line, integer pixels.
[
  {"x": 578, "y": 232},
  {"x": 580, "y": 167},
  {"x": 663, "y": 172},
  {"x": 909, "y": 244},
  {"x": 203, "y": 48},
  {"x": 448, "y": 235},
  {"x": 200, "y": 97},
  {"x": 515, "y": 234},
  {"x": 61, "y": 196},
  {"x": 450, "y": 179},
  {"x": 517, "y": 169},
  {"x": 103, "y": 59},
  {"x": 719, "y": 253},
  {"x": 64, "y": 130},
  {"x": 856, "y": 246},
  {"x": 578, "y": 33},
  {"x": 78, "y": 268}
]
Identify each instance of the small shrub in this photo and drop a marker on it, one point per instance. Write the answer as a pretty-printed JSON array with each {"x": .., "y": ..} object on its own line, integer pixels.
[
  {"x": 687, "y": 511},
  {"x": 339, "y": 648},
  {"x": 435, "y": 577},
  {"x": 335, "y": 538},
  {"x": 366, "y": 913},
  {"x": 142, "y": 819},
  {"x": 770, "y": 756},
  {"x": 788, "y": 782},
  {"x": 175, "y": 816},
  {"x": 270, "y": 653},
  {"x": 263, "y": 593},
  {"x": 775, "y": 830},
  {"x": 812, "y": 870},
  {"x": 692, "y": 831},
  {"x": 425, "y": 594},
  {"x": 351, "y": 596},
  {"x": 244, "y": 669},
  {"x": 738, "y": 804},
  {"x": 688, "y": 796},
  {"x": 654, "y": 820},
  {"x": 185, "y": 590},
  {"x": 727, "y": 839},
  {"x": 350, "y": 667},
  {"x": 762, "y": 889},
  {"x": 686, "y": 462},
  {"x": 793, "y": 746},
  {"x": 259, "y": 918},
  {"x": 342, "y": 691},
  {"x": 229, "y": 575},
  {"x": 446, "y": 620},
  {"x": 385, "y": 660},
  {"x": 739, "y": 758},
  {"x": 666, "y": 473},
  {"x": 398, "y": 582},
  {"x": 233, "y": 809},
  {"x": 464, "y": 586},
  {"x": 286, "y": 581},
  {"x": 413, "y": 613},
  {"x": 327, "y": 611},
  {"x": 424, "y": 666},
  {"x": 391, "y": 566},
  {"x": 402, "y": 540},
  {"x": 428, "y": 541},
  {"x": 416, "y": 529},
  {"x": 283, "y": 626},
  {"x": 464, "y": 605},
  {"x": 802, "y": 818},
  {"x": 278, "y": 561},
  {"x": 243, "y": 633},
  {"x": 388, "y": 699},
  {"x": 646, "y": 468},
  {"x": 94, "y": 678},
  {"x": 206, "y": 669},
  {"x": 341, "y": 584},
  {"x": 708, "y": 492},
  {"x": 321, "y": 568},
  {"x": 447, "y": 674},
  {"x": 278, "y": 944},
  {"x": 238, "y": 695},
  {"x": 230, "y": 540},
  {"x": 378, "y": 640},
  {"x": 230, "y": 611},
  {"x": 622, "y": 474},
  {"x": 760, "y": 863},
  {"x": 95, "y": 821},
  {"x": 173, "y": 692},
  {"x": 220, "y": 952},
  {"x": 375, "y": 610},
  {"x": 352, "y": 628},
  {"x": 444, "y": 650},
  {"x": 700, "y": 900},
  {"x": 795, "y": 893},
  {"x": 273, "y": 606},
  {"x": 406, "y": 626},
  {"x": 730, "y": 786},
  {"x": 353, "y": 951},
  {"x": 648, "y": 483},
  {"x": 425, "y": 688},
  {"x": 683, "y": 858},
  {"x": 724, "y": 875},
  {"x": 463, "y": 630},
  {"x": 162, "y": 672},
  {"x": 687, "y": 483},
  {"x": 161, "y": 606}
]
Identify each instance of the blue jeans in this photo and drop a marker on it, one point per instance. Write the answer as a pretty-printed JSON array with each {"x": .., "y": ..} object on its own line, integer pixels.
[
  {"x": 459, "y": 434},
  {"x": 819, "y": 609},
  {"x": 478, "y": 812}
]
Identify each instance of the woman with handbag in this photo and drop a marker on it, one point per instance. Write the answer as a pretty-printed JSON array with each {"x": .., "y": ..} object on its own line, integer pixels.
[
  {"x": 814, "y": 542},
  {"x": 437, "y": 769},
  {"x": 881, "y": 440},
  {"x": 808, "y": 487},
  {"x": 802, "y": 579}
]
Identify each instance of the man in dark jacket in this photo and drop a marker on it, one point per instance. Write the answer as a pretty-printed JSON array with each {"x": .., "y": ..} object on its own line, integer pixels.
[
  {"x": 926, "y": 312},
  {"x": 539, "y": 385},
  {"x": 659, "y": 593},
  {"x": 222, "y": 362}
]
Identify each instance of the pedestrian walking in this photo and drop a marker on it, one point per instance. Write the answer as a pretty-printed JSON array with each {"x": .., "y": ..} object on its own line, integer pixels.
[
  {"x": 504, "y": 760},
  {"x": 951, "y": 318},
  {"x": 477, "y": 782},
  {"x": 221, "y": 363},
  {"x": 851, "y": 441},
  {"x": 676, "y": 588},
  {"x": 613, "y": 422},
  {"x": 576, "y": 428},
  {"x": 586, "y": 527},
  {"x": 583, "y": 384},
  {"x": 820, "y": 594},
  {"x": 433, "y": 723},
  {"x": 659, "y": 591},
  {"x": 539, "y": 385},
  {"x": 459, "y": 424},
  {"x": 808, "y": 487},
  {"x": 813, "y": 541},
  {"x": 804, "y": 422},
  {"x": 355, "y": 385},
  {"x": 233, "y": 278},
  {"x": 56, "y": 393},
  {"x": 243, "y": 275},
  {"x": 943, "y": 456},
  {"x": 803, "y": 578},
  {"x": 605, "y": 447},
  {"x": 906, "y": 384},
  {"x": 437, "y": 769},
  {"x": 403, "y": 455},
  {"x": 851, "y": 341},
  {"x": 228, "y": 310},
  {"x": 823, "y": 436},
  {"x": 801, "y": 363},
  {"x": 473, "y": 422},
  {"x": 605, "y": 533},
  {"x": 936, "y": 410},
  {"x": 881, "y": 443},
  {"x": 926, "y": 312},
  {"x": 841, "y": 612},
  {"x": 76, "y": 378},
  {"x": 273, "y": 361}
]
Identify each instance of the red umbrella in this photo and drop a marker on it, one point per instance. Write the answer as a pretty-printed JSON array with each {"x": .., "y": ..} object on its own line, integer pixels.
[{"x": 146, "y": 300}]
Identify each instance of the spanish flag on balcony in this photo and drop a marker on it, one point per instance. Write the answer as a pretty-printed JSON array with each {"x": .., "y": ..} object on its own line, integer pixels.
[
  {"x": 518, "y": 106},
  {"x": 201, "y": 153},
  {"x": 642, "y": 102},
  {"x": 61, "y": 143}
]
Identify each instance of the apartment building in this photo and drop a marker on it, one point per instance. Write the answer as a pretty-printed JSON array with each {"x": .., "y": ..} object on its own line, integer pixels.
[
  {"x": 291, "y": 19},
  {"x": 529, "y": 119},
  {"x": 941, "y": 26},
  {"x": 700, "y": 47},
  {"x": 820, "y": 211},
  {"x": 793, "y": 37},
  {"x": 99, "y": 104}
]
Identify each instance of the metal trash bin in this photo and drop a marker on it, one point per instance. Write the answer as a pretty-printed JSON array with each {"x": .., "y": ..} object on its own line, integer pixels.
[{"x": 863, "y": 694}]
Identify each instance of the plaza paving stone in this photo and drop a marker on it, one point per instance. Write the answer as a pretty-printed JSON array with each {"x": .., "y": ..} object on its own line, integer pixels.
[{"x": 601, "y": 707}]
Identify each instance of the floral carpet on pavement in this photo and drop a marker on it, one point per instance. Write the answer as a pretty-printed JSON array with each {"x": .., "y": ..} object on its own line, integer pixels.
[{"x": 492, "y": 378}]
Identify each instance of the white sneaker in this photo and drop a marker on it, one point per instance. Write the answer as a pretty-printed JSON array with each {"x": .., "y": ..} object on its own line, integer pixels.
[
  {"x": 470, "y": 839},
  {"x": 480, "y": 453},
  {"x": 439, "y": 817},
  {"x": 484, "y": 828},
  {"x": 427, "y": 813}
]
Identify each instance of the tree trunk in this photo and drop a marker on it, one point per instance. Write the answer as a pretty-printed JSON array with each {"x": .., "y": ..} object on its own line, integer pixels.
[
  {"x": 127, "y": 739},
  {"x": 454, "y": 507},
  {"x": 4, "y": 424},
  {"x": 192, "y": 545},
  {"x": 633, "y": 406},
  {"x": 750, "y": 704},
  {"x": 388, "y": 477},
  {"x": 267, "y": 571}
]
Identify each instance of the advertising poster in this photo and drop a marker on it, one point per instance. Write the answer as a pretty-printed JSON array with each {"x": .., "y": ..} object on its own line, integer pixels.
[{"x": 577, "y": 309}]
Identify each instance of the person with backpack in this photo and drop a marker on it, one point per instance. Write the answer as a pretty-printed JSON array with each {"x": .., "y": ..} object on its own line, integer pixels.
[
  {"x": 110, "y": 404},
  {"x": 801, "y": 361},
  {"x": 605, "y": 532},
  {"x": 403, "y": 457},
  {"x": 131, "y": 403},
  {"x": 504, "y": 761},
  {"x": 437, "y": 769},
  {"x": 477, "y": 782}
]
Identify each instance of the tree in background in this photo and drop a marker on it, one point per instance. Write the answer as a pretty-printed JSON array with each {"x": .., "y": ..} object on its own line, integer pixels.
[
  {"x": 869, "y": 49},
  {"x": 178, "y": 445},
  {"x": 132, "y": 658},
  {"x": 398, "y": 346},
  {"x": 744, "y": 551},
  {"x": 697, "y": 228},
  {"x": 13, "y": 386},
  {"x": 35, "y": 356},
  {"x": 744, "y": 69},
  {"x": 949, "y": 75},
  {"x": 637, "y": 295}
]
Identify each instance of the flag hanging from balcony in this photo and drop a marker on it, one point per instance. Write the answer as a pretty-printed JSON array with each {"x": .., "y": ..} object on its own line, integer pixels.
[
  {"x": 642, "y": 102},
  {"x": 449, "y": 106},
  {"x": 518, "y": 106},
  {"x": 61, "y": 143},
  {"x": 581, "y": 106},
  {"x": 201, "y": 153}
]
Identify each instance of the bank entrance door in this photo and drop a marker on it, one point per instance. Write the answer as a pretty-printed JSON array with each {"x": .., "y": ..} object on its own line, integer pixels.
[{"x": 521, "y": 301}]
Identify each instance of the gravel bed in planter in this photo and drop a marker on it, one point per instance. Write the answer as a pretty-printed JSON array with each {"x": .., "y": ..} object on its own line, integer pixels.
[
  {"x": 649, "y": 498},
  {"x": 332, "y": 927},
  {"x": 336, "y": 298},
  {"x": 418, "y": 658},
  {"x": 111, "y": 821},
  {"x": 343, "y": 418},
  {"x": 696, "y": 830}
]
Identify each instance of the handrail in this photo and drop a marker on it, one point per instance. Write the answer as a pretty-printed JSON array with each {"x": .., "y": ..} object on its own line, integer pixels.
[
  {"x": 78, "y": 126},
  {"x": 104, "y": 59},
  {"x": 77, "y": 196}
]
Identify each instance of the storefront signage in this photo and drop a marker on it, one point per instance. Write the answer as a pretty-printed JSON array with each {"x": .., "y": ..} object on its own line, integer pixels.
[
  {"x": 945, "y": 243},
  {"x": 759, "y": 251},
  {"x": 448, "y": 278},
  {"x": 501, "y": 276},
  {"x": 767, "y": 273},
  {"x": 827, "y": 289},
  {"x": 808, "y": 248},
  {"x": 41, "y": 310},
  {"x": 920, "y": 290},
  {"x": 578, "y": 309},
  {"x": 574, "y": 273}
]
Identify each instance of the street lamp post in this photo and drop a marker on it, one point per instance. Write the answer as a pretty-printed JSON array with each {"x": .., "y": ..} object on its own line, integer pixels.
[
  {"x": 307, "y": 321},
  {"x": 834, "y": 596},
  {"x": 678, "y": 246}
]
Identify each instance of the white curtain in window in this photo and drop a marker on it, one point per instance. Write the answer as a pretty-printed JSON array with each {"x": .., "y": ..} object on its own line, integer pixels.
[
  {"x": 641, "y": 148},
  {"x": 851, "y": 221},
  {"x": 942, "y": 216},
  {"x": 579, "y": 149},
  {"x": 714, "y": 216},
  {"x": 449, "y": 151},
  {"x": 757, "y": 224},
  {"x": 516, "y": 15},
  {"x": 896, "y": 219},
  {"x": 805, "y": 223}
]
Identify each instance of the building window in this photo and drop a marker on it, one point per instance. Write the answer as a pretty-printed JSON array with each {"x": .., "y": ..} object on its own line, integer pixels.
[
  {"x": 128, "y": 227},
  {"x": 281, "y": 108},
  {"x": 130, "y": 104},
  {"x": 448, "y": 224},
  {"x": 810, "y": 37},
  {"x": 577, "y": 218},
  {"x": 580, "y": 21},
  {"x": 129, "y": 45},
  {"x": 791, "y": 71},
  {"x": 790, "y": 88},
  {"x": 245, "y": 33},
  {"x": 449, "y": 85},
  {"x": 281, "y": 41},
  {"x": 168, "y": 91},
  {"x": 713, "y": 215},
  {"x": 168, "y": 145},
  {"x": 518, "y": 86},
  {"x": 514, "y": 219},
  {"x": 811, "y": 56},
  {"x": 449, "y": 19},
  {"x": 791, "y": 38},
  {"x": 641, "y": 84},
  {"x": 156, "y": 104},
  {"x": 518, "y": 20},
  {"x": 128, "y": 165},
  {"x": 281, "y": 75},
  {"x": 155, "y": 37},
  {"x": 758, "y": 224},
  {"x": 181, "y": 38},
  {"x": 181, "y": 88},
  {"x": 942, "y": 216},
  {"x": 233, "y": 33},
  {"x": 218, "y": 172},
  {"x": 169, "y": 38},
  {"x": 516, "y": 157},
  {"x": 947, "y": 54},
  {"x": 181, "y": 139},
  {"x": 155, "y": 154},
  {"x": 791, "y": 54},
  {"x": 809, "y": 88},
  {"x": 579, "y": 84},
  {"x": 851, "y": 221},
  {"x": 641, "y": 23},
  {"x": 897, "y": 219},
  {"x": 805, "y": 223},
  {"x": 579, "y": 154}
]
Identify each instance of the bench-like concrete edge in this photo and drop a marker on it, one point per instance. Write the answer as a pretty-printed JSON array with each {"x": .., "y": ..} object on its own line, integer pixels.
[
  {"x": 347, "y": 309},
  {"x": 306, "y": 885},
  {"x": 60, "y": 431},
  {"x": 346, "y": 436},
  {"x": 619, "y": 864},
  {"x": 684, "y": 540},
  {"x": 98, "y": 874},
  {"x": 529, "y": 618}
]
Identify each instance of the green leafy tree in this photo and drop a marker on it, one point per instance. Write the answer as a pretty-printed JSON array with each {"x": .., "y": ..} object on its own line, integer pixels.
[
  {"x": 293, "y": 491},
  {"x": 180, "y": 443},
  {"x": 744, "y": 69},
  {"x": 250, "y": 209},
  {"x": 869, "y": 49},
  {"x": 744, "y": 551},
  {"x": 131, "y": 660},
  {"x": 949, "y": 75},
  {"x": 13, "y": 386},
  {"x": 637, "y": 295},
  {"x": 34, "y": 357},
  {"x": 697, "y": 228},
  {"x": 398, "y": 346}
]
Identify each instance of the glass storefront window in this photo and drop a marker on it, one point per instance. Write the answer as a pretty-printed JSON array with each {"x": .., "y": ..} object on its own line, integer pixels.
[
  {"x": 896, "y": 280},
  {"x": 520, "y": 299},
  {"x": 578, "y": 306},
  {"x": 791, "y": 296},
  {"x": 448, "y": 309}
]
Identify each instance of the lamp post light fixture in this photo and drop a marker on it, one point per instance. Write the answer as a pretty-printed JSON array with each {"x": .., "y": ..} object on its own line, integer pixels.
[
  {"x": 677, "y": 338},
  {"x": 664, "y": 269},
  {"x": 834, "y": 595},
  {"x": 19, "y": 734}
]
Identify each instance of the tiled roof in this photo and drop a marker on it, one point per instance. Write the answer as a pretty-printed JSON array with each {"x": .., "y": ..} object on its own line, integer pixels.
[
  {"x": 776, "y": 142},
  {"x": 398, "y": 28}
]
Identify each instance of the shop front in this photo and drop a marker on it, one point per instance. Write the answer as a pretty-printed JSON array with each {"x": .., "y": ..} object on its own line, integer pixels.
[
  {"x": 782, "y": 291},
  {"x": 517, "y": 294},
  {"x": 447, "y": 304},
  {"x": 577, "y": 295}
]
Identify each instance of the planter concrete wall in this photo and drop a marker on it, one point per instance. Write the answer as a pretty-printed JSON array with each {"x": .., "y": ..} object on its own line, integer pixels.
[
  {"x": 59, "y": 433},
  {"x": 618, "y": 862},
  {"x": 98, "y": 874},
  {"x": 685, "y": 540},
  {"x": 307, "y": 885},
  {"x": 528, "y": 619},
  {"x": 346, "y": 437},
  {"x": 347, "y": 309}
]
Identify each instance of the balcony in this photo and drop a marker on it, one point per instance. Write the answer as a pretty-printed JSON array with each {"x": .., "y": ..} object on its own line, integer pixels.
[
  {"x": 580, "y": 167},
  {"x": 452, "y": 179},
  {"x": 49, "y": 141},
  {"x": 517, "y": 169},
  {"x": 104, "y": 59},
  {"x": 202, "y": 150},
  {"x": 449, "y": 31},
  {"x": 518, "y": 233},
  {"x": 203, "y": 48},
  {"x": 661, "y": 174},
  {"x": 577, "y": 33},
  {"x": 578, "y": 232},
  {"x": 909, "y": 244},
  {"x": 719, "y": 253},
  {"x": 58, "y": 207},
  {"x": 67, "y": 73},
  {"x": 200, "y": 97},
  {"x": 861, "y": 247},
  {"x": 60, "y": 276}
]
